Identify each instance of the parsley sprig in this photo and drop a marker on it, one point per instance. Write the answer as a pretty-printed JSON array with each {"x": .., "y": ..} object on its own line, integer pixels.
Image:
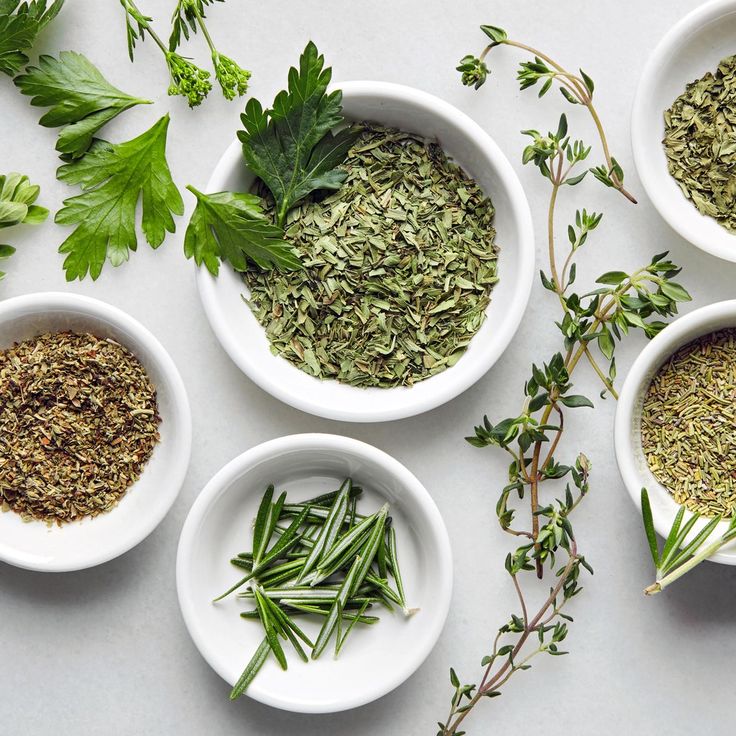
[
  {"x": 291, "y": 147},
  {"x": 20, "y": 24},
  {"x": 82, "y": 101},
  {"x": 114, "y": 178}
]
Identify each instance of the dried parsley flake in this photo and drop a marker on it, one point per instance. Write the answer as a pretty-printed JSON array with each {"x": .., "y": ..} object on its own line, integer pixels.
[
  {"x": 700, "y": 143},
  {"x": 78, "y": 421},
  {"x": 688, "y": 424},
  {"x": 399, "y": 267}
]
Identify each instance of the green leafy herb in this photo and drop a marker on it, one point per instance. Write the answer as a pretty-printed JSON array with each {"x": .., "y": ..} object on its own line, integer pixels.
[
  {"x": 20, "y": 24},
  {"x": 80, "y": 98},
  {"x": 186, "y": 78},
  {"x": 17, "y": 198},
  {"x": 189, "y": 15},
  {"x": 114, "y": 178},
  {"x": 681, "y": 554},
  {"x": 231, "y": 226},
  {"x": 591, "y": 324},
  {"x": 282, "y": 581},
  {"x": 291, "y": 147}
]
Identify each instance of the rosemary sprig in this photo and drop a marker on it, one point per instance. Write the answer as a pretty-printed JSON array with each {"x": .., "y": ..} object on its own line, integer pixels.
[
  {"x": 680, "y": 555},
  {"x": 334, "y": 565},
  {"x": 591, "y": 324}
]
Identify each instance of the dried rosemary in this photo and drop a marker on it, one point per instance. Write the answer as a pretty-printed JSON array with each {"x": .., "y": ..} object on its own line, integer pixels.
[
  {"x": 78, "y": 421},
  {"x": 688, "y": 424},
  {"x": 399, "y": 267},
  {"x": 700, "y": 143}
]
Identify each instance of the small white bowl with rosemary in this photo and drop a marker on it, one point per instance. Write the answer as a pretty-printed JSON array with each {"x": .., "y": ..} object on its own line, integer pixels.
[
  {"x": 384, "y": 284},
  {"x": 675, "y": 433},
  {"x": 314, "y": 573},
  {"x": 684, "y": 131},
  {"x": 95, "y": 432}
]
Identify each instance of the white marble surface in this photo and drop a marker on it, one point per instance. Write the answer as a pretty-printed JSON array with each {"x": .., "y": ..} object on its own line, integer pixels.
[{"x": 105, "y": 651}]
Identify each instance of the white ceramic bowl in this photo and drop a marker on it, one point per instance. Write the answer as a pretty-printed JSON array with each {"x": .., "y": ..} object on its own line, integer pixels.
[
  {"x": 91, "y": 541},
  {"x": 466, "y": 142},
  {"x": 377, "y": 658},
  {"x": 691, "y": 48},
  {"x": 627, "y": 435}
]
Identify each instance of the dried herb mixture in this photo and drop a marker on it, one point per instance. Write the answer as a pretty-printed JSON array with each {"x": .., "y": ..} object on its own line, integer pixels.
[
  {"x": 700, "y": 143},
  {"x": 78, "y": 421},
  {"x": 399, "y": 267},
  {"x": 688, "y": 424}
]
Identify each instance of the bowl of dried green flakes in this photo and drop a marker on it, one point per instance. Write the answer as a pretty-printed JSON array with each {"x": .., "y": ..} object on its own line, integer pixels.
[
  {"x": 675, "y": 430},
  {"x": 95, "y": 432},
  {"x": 416, "y": 271},
  {"x": 684, "y": 128}
]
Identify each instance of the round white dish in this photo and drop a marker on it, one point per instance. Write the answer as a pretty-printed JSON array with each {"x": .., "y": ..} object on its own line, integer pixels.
[
  {"x": 627, "y": 437},
  {"x": 377, "y": 658},
  {"x": 470, "y": 146},
  {"x": 92, "y": 541},
  {"x": 691, "y": 48}
]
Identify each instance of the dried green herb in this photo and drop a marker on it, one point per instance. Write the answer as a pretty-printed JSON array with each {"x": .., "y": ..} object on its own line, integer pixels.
[
  {"x": 688, "y": 424},
  {"x": 318, "y": 558},
  {"x": 700, "y": 143},
  {"x": 78, "y": 421},
  {"x": 399, "y": 265}
]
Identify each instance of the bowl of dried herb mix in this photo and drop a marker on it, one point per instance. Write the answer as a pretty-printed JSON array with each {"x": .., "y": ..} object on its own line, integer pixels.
[
  {"x": 675, "y": 429},
  {"x": 95, "y": 432},
  {"x": 684, "y": 128},
  {"x": 384, "y": 647},
  {"x": 388, "y": 320}
]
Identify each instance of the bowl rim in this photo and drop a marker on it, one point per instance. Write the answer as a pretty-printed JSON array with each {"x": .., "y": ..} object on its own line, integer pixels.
[
  {"x": 239, "y": 466},
  {"x": 670, "y": 339},
  {"x": 50, "y": 302},
  {"x": 648, "y": 83},
  {"x": 514, "y": 308}
]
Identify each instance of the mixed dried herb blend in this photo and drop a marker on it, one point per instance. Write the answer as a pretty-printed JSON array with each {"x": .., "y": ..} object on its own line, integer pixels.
[
  {"x": 78, "y": 421},
  {"x": 399, "y": 265},
  {"x": 700, "y": 143},
  {"x": 688, "y": 424}
]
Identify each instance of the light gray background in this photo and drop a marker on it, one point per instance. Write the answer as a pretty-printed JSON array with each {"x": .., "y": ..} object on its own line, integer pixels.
[{"x": 105, "y": 651}]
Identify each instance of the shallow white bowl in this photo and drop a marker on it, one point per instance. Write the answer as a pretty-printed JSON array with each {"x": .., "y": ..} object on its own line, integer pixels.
[
  {"x": 468, "y": 144},
  {"x": 627, "y": 432},
  {"x": 377, "y": 658},
  {"x": 91, "y": 541},
  {"x": 691, "y": 48}
]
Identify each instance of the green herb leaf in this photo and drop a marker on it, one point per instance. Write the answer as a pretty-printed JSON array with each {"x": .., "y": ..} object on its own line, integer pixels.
[
  {"x": 230, "y": 226},
  {"x": 575, "y": 400},
  {"x": 251, "y": 669},
  {"x": 290, "y": 147},
  {"x": 496, "y": 34},
  {"x": 114, "y": 178},
  {"x": 646, "y": 512},
  {"x": 79, "y": 96},
  {"x": 20, "y": 24}
]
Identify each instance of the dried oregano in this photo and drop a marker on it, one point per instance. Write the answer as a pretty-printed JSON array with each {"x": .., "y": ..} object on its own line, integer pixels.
[
  {"x": 399, "y": 267},
  {"x": 700, "y": 142},
  {"x": 78, "y": 421},
  {"x": 688, "y": 424}
]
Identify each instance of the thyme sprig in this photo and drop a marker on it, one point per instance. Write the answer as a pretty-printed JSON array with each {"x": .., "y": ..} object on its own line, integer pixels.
[{"x": 591, "y": 323}]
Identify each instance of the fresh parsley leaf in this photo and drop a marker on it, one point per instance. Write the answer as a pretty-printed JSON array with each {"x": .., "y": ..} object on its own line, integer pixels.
[
  {"x": 17, "y": 197},
  {"x": 291, "y": 147},
  {"x": 80, "y": 98},
  {"x": 230, "y": 226},
  {"x": 114, "y": 178},
  {"x": 20, "y": 24}
]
